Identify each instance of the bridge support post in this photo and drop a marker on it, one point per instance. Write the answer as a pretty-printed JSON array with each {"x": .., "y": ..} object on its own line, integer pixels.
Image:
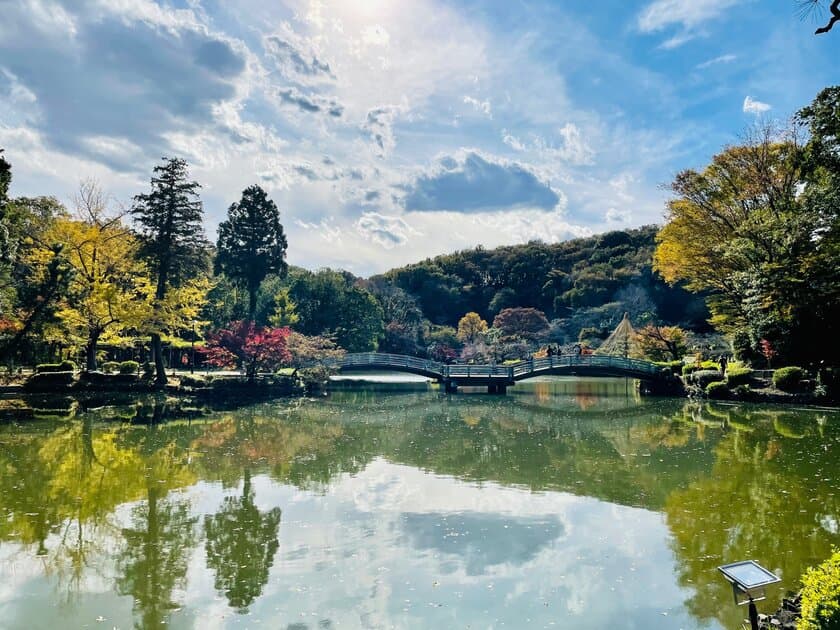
[
  {"x": 497, "y": 389},
  {"x": 450, "y": 386}
]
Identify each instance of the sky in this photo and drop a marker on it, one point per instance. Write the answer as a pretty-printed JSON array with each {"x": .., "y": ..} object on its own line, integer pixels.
[{"x": 389, "y": 131}]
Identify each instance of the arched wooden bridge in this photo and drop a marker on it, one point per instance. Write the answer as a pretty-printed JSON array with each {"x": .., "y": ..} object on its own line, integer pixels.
[{"x": 498, "y": 377}]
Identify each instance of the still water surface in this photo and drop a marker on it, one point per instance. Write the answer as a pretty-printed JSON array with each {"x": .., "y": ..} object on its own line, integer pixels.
[{"x": 564, "y": 504}]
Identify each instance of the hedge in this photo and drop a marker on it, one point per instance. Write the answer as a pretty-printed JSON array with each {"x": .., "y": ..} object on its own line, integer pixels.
[
  {"x": 738, "y": 376},
  {"x": 717, "y": 389},
  {"x": 675, "y": 366},
  {"x": 788, "y": 379},
  {"x": 48, "y": 381},
  {"x": 821, "y": 596},
  {"x": 64, "y": 366},
  {"x": 688, "y": 369},
  {"x": 129, "y": 367},
  {"x": 109, "y": 367}
]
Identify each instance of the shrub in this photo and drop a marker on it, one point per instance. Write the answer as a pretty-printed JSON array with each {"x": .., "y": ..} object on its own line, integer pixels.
[
  {"x": 129, "y": 367},
  {"x": 48, "y": 381},
  {"x": 148, "y": 369},
  {"x": 788, "y": 379},
  {"x": 743, "y": 392},
  {"x": 675, "y": 366},
  {"x": 64, "y": 366},
  {"x": 709, "y": 365},
  {"x": 689, "y": 369},
  {"x": 717, "y": 390},
  {"x": 738, "y": 376},
  {"x": 704, "y": 377},
  {"x": 821, "y": 596},
  {"x": 109, "y": 367}
]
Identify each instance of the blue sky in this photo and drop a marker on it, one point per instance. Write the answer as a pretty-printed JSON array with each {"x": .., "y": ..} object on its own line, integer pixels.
[{"x": 388, "y": 131}]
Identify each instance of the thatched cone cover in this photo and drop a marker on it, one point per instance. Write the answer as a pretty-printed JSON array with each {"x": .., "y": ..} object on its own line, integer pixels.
[{"x": 621, "y": 342}]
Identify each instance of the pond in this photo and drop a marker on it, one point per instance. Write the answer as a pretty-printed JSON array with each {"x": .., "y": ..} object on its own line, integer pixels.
[{"x": 566, "y": 503}]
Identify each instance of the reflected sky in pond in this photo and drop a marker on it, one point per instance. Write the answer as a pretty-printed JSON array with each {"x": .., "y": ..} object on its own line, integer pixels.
[{"x": 564, "y": 504}]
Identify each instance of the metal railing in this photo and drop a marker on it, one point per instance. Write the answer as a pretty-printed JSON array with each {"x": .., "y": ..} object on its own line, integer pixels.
[{"x": 510, "y": 372}]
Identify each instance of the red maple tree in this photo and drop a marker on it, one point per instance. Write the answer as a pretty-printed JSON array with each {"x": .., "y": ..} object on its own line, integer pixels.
[{"x": 247, "y": 346}]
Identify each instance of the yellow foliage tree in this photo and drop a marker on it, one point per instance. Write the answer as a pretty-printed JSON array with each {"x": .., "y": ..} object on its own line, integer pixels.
[
  {"x": 110, "y": 292},
  {"x": 726, "y": 224},
  {"x": 471, "y": 327}
]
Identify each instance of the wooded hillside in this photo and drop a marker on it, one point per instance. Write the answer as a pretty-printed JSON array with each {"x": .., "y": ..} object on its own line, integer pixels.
[{"x": 564, "y": 280}]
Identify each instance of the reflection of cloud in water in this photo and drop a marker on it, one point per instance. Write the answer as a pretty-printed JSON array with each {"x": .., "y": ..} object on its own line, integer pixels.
[{"x": 482, "y": 540}]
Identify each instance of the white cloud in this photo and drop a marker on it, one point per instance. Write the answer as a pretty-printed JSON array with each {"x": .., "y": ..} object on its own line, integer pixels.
[
  {"x": 379, "y": 125},
  {"x": 722, "y": 59},
  {"x": 661, "y": 14},
  {"x": 752, "y": 106},
  {"x": 513, "y": 142},
  {"x": 214, "y": 87},
  {"x": 480, "y": 106},
  {"x": 677, "y": 40},
  {"x": 294, "y": 57},
  {"x": 574, "y": 148},
  {"x": 571, "y": 148},
  {"x": 325, "y": 229},
  {"x": 387, "y": 231},
  {"x": 618, "y": 215}
]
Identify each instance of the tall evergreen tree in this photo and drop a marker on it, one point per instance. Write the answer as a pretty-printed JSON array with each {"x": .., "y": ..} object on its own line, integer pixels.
[
  {"x": 172, "y": 238},
  {"x": 251, "y": 243},
  {"x": 5, "y": 179},
  {"x": 5, "y": 182}
]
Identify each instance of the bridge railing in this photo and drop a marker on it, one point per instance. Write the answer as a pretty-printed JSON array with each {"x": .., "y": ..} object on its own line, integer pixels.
[
  {"x": 512, "y": 371},
  {"x": 484, "y": 371},
  {"x": 382, "y": 359},
  {"x": 585, "y": 360}
]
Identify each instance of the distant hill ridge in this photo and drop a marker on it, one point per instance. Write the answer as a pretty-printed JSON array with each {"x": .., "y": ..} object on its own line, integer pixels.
[{"x": 561, "y": 279}]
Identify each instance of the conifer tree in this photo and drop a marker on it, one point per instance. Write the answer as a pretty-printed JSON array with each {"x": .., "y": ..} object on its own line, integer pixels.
[
  {"x": 251, "y": 243},
  {"x": 172, "y": 239}
]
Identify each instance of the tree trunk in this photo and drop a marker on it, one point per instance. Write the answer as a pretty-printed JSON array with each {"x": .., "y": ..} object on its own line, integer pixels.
[
  {"x": 157, "y": 357},
  {"x": 252, "y": 304},
  {"x": 90, "y": 351},
  {"x": 157, "y": 347}
]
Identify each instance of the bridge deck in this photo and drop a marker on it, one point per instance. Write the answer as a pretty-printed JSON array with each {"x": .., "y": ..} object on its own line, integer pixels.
[{"x": 465, "y": 375}]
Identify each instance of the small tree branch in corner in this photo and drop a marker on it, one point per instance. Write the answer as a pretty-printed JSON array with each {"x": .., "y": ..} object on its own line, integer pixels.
[{"x": 835, "y": 17}]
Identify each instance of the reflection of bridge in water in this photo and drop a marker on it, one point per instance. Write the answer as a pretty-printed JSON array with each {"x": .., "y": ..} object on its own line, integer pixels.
[{"x": 497, "y": 378}]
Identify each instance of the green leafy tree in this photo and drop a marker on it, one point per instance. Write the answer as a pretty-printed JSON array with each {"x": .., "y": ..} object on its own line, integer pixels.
[
  {"x": 251, "y": 243},
  {"x": 821, "y": 596},
  {"x": 48, "y": 280},
  {"x": 765, "y": 252},
  {"x": 285, "y": 310},
  {"x": 331, "y": 304},
  {"x": 241, "y": 545},
  {"x": 172, "y": 239}
]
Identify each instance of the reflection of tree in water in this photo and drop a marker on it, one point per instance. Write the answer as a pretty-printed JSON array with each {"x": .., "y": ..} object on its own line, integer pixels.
[
  {"x": 241, "y": 544},
  {"x": 154, "y": 561},
  {"x": 769, "y": 496}
]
